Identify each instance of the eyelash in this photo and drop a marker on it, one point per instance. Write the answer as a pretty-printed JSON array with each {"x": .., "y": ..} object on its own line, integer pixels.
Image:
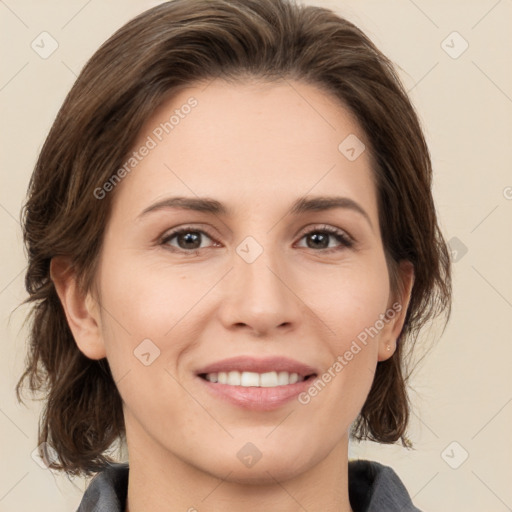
[{"x": 346, "y": 241}]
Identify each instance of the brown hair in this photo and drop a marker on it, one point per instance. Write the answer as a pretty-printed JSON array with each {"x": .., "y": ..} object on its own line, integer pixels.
[{"x": 162, "y": 50}]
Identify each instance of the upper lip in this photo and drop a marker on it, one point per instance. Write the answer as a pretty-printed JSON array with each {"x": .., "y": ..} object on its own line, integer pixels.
[{"x": 259, "y": 365}]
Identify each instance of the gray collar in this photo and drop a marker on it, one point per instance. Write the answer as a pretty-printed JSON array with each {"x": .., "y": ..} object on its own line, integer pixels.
[{"x": 373, "y": 487}]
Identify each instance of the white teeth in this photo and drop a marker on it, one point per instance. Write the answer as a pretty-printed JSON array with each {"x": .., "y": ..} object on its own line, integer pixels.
[
  {"x": 294, "y": 377},
  {"x": 283, "y": 378},
  {"x": 253, "y": 379},
  {"x": 268, "y": 380},
  {"x": 246, "y": 379},
  {"x": 234, "y": 378}
]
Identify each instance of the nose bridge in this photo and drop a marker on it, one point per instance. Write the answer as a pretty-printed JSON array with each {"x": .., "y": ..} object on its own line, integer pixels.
[
  {"x": 259, "y": 296},
  {"x": 259, "y": 271}
]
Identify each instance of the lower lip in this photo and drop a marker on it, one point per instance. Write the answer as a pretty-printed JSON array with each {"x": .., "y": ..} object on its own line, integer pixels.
[{"x": 256, "y": 398}]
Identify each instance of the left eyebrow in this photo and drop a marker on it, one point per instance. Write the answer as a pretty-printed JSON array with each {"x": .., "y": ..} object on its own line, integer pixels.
[
  {"x": 301, "y": 205},
  {"x": 199, "y": 204},
  {"x": 324, "y": 203}
]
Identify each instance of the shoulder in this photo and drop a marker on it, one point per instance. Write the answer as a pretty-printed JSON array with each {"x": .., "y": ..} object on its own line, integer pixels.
[
  {"x": 107, "y": 491},
  {"x": 374, "y": 487}
]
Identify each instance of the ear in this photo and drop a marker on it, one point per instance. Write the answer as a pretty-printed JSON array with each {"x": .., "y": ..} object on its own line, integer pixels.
[
  {"x": 396, "y": 312},
  {"x": 82, "y": 311}
]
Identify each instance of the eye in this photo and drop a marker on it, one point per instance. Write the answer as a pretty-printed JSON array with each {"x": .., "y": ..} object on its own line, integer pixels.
[
  {"x": 321, "y": 236},
  {"x": 187, "y": 239}
]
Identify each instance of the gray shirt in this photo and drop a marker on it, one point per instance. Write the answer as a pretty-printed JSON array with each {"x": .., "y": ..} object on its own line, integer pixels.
[{"x": 373, "y": 487}]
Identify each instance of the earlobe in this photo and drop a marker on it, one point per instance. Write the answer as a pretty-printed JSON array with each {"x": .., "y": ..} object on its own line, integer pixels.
[
  {"x": 397, "y": 312},
  {"x": 81, "y": 309}
]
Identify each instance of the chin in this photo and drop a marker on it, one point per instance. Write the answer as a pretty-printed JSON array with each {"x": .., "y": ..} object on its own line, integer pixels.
[
  {"x": 247, "y": 466},
  {"x": 260, "y": 474}
]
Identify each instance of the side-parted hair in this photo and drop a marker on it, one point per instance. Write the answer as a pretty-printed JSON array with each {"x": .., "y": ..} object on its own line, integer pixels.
[{"x": 158, "y": 53}]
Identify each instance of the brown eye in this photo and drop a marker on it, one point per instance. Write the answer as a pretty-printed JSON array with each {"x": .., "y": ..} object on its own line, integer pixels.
[
  {"x": 186, "y": 239},
  {"x": 320, "y": 238}
]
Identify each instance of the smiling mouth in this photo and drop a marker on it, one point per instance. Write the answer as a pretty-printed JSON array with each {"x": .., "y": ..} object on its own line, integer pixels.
[{"x": 254, "y": 379}]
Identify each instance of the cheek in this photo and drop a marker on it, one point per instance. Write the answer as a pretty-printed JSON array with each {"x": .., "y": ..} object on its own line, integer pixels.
[
  {"x": 354, "y": 312},
  {"x": 148, "y": 300},
  {"x": 354, "y": 299},
  {"x": 155, "y": 302}
]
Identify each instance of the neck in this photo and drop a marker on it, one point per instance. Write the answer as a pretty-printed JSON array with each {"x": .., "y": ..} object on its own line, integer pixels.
[{"x": 160, "y": 481}]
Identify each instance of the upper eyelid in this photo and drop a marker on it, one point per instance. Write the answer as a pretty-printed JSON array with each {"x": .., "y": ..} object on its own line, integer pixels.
[
  {"x": 327, "y": 227},
  {"x": 175, "y": 231},
  {"x": 315, "y": 227}
]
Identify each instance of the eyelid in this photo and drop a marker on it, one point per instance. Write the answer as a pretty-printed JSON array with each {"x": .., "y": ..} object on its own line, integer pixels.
[
  {"x": 170, "y": 233},
  {"x": 328, "y": 228},
  {"x": 345, "y": 240}
]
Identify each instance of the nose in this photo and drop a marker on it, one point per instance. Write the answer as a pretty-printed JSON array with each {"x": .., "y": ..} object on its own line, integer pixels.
[{"x": 258, "y": 296}]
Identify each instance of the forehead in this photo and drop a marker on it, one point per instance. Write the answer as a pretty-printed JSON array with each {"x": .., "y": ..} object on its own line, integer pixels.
[{"x": 251, "y": 143}]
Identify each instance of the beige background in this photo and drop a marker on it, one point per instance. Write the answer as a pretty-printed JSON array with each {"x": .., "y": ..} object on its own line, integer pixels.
[{"x": 463, "y": 390}]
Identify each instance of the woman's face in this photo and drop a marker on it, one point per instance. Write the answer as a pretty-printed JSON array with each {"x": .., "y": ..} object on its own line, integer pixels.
[{"x": 255, "y": 276}]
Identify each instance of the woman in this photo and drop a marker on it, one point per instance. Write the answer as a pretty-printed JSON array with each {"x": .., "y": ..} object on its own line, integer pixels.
[{"x": 232, "y": 245}]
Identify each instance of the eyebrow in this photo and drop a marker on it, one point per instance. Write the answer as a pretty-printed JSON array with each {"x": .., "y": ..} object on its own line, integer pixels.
[{"x": 301, "y": 205}]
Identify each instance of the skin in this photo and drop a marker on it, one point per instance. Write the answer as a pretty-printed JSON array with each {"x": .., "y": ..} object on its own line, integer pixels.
[{"x": 256, "y": 148}]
